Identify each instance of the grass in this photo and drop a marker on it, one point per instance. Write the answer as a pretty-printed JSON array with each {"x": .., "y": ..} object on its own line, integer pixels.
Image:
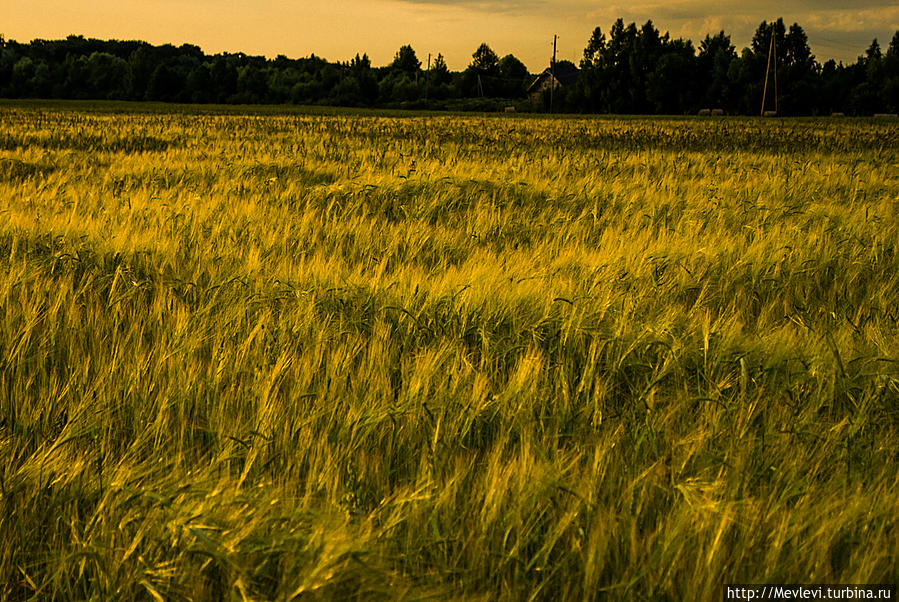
[{"x": 344, "y": 356}]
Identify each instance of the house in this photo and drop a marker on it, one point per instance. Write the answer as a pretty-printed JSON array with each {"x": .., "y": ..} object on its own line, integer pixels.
[{"x": 565, "y": 75}]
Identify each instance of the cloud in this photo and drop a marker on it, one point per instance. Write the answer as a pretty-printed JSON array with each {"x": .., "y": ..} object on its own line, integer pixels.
[
  {"x": 768, "y": 9},
  {"x": 503, "y": 6},
  {"x": 840, "y": 29},
  {"x": 675, "y": 9}
]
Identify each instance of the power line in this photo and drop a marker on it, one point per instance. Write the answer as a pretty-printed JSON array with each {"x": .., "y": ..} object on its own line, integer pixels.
[{"x": 860, "y": 46}]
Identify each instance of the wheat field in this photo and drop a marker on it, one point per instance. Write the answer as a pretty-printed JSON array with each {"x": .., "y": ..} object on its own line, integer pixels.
[{"x": 288, "y": 355}]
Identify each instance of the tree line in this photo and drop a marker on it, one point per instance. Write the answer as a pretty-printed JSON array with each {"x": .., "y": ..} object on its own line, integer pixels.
[
  {"x": 638, "y": 70},
  {"x": 633, "y": 69},
  {"x": 80, "y": 68}
]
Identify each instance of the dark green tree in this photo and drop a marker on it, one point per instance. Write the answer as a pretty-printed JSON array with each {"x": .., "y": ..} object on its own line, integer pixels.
[
  {"x": 22, "y": 73},
  {"x": 873, "y": 53},
  {"x": 835, "y": 87},
  {"x": 252, "y": 84},
  {"x": 671, "y": 87},
  {"x": 761, "y": 39},
  {"x": 485, "y": 61},
  {"x": 796, "y": 48},
  {"x": 199, "y": 84},
  {"x": 140, "y": 68},
  {"x": 512, "y": 68},
  {"x": 513, "y": 76},
  {"x": 891, "y": 76},
  {"x": 595, "y": 50},
  {"x": 798, "y": 80},
  {"x": 8, "y": 58},
  {"x": 716, "y": 53},
  {"x": 361, "y": 72},
  {"x": 619, "y": 63},
  {"x": 223, "y": 75},
  {"x": 867, "y": 93},
  {"x": 360, "y": 63},
  {"x": 406, "y": 61},
  {"x": 107, "y": 76},
  {"x": 480, "y": 78},
  {"x": 165, "y": 84},
  {"x": 591, "y": 92},
  {"x": 440, "y": 73},
  {"x": 747, "y": 73},
  {"x": 440, "y": 78}
]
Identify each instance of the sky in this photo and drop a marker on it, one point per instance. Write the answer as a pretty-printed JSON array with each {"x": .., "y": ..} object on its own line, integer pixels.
[{"x": 338, "y": 29}]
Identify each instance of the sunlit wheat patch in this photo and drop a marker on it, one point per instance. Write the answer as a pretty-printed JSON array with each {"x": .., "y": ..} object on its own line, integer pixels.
[{"x": 373, "y": 357}]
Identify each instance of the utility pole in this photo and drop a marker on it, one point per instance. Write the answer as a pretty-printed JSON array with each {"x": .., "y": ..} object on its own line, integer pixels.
[
  {"x": 774, "y": 46},
  {"x": 428, "y": 79},
  {"x": 552, "y": 74},
  {"x": 772, "y": 52}
]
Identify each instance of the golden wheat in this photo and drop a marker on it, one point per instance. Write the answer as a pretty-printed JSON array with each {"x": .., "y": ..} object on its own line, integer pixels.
[{"x": 356, "y": 356}]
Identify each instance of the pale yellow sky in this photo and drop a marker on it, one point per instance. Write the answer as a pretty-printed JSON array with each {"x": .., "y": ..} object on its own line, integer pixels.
[{"x": 338, "y": 29}]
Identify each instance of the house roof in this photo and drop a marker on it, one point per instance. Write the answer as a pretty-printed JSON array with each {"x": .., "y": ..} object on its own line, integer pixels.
[{"x": 565, "y": 75}]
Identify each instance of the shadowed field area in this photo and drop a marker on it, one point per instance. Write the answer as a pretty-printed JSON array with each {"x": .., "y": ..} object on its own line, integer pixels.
[{"x": 291, "y": 356}]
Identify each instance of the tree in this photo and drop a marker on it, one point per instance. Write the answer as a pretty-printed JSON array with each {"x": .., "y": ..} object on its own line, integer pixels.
[
  {"x": 720, "y": 43},
  {"x": 891, "y": 76},
  {"x": 478, "y": 77},
  {"x": 406, "y": 61},
  {"x": 749, "y": 71},
  {"x": 224, "y": 79},
  {"x": 867, "y": 94},
  {"x": 439, "y": 79},
  {"x": 591, "y": 93},
  {"x": 620, "y": 37},
  {"x": 106, "y": 75},
  {"x": 360, "y": 69},
  {"x": 485, "y": 61},
  {"x": 199, "y": 84},
  {"x": 140, "y": 68},
  {"x": 399, "y": 87},
  {"x": 512, "y": 68},
  {"x": 761, "y": 40},
  {"x": 796, "y": 48},
  {"x": 362, "y": 63},
  {"x": 7, "y": 60},
  {"x": 893, "y": 49},
  {"x": 624, "y": 69},
  {"x": 439, "y": 72},
  {"x": 513, "y": 75},
  {"x": 620, "y": 62},
  {"x": 620, "y": 72},
  {"x": 22, "y": 72},
  {"x": 165, "y": 84},
  {"x": 671, "y": 85},
  {"x": 593, "y": 53},
  {"x": 400, "y": 83},
  {"x": 799, "y": 79},
  {"x": 252, "y": 84},
  {"x": 835, "y": 88},
  {"x": 713, "y": 63},
  {"x": 873, "y": 53}
]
